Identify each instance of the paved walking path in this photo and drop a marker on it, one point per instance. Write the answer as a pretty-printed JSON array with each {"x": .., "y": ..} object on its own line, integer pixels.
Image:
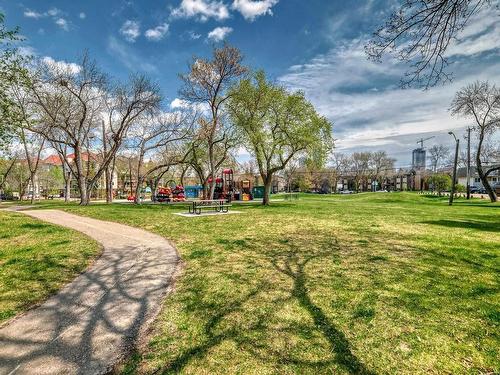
[{"x": 92, "y": 322}]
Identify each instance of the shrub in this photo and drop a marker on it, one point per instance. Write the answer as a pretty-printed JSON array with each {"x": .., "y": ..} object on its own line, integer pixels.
[{"x": 440, "y": 182}]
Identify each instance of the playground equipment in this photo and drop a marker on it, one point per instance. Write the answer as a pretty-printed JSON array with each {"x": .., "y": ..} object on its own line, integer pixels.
[
  {"x": 246, "y": 191},
  {"x": 171, "y": 194},
  {"x": 193, "y": 191},
  {"x": 224, "y": 185}
]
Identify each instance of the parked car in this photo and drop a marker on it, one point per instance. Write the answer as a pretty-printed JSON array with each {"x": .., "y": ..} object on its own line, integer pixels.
[
  {"x": 346, "y": 192},
  {"x": 474, "y": 189},
  {"x": 6, "y": 197},
  {"x": 30, "y": 196}
]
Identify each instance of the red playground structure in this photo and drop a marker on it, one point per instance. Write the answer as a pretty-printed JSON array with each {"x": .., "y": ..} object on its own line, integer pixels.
[
  {"x": 169, "y": 194},
  {"x": 224, "y": 185}
]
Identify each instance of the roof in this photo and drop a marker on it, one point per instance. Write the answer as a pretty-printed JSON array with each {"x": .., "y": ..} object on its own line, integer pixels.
[
  {"x": 85, "y": 156},
  {"x": 53, "y": 160}
]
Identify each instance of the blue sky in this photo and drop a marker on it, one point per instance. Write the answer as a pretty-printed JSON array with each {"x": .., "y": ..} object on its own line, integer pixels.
[{"x": 313, "y": 45}]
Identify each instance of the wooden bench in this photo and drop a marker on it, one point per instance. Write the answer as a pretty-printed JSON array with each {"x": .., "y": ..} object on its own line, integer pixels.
[{"x": 216, "y": 205}]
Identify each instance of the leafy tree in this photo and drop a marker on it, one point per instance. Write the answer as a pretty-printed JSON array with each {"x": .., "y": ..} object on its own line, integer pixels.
[
  {"x": 440, "y": 182},
  {"x": 459, "y": 188},
  {"x": 11, "y": 68},
  {"x": 277, "y": 126}
]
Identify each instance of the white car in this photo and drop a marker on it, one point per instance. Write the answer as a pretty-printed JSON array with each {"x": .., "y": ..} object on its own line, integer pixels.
[{"x": 347, "y": 192}]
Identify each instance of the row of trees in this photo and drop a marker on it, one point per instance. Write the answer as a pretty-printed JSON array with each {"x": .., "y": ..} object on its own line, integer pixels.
[
  {"x": 91, "y": 120},
  {"x": 324, "y": 175},
  {"x": 441, "y": 156}
]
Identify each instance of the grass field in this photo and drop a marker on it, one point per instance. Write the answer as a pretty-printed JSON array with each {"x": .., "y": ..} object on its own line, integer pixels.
[
  {"x": 370, "y": 283},
  {"x": 36, "y": 259}
]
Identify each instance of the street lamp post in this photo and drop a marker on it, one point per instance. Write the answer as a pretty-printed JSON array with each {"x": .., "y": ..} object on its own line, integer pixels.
[
  {"x": 468, "y": 163},
  {"x": 453, "y": 181}
]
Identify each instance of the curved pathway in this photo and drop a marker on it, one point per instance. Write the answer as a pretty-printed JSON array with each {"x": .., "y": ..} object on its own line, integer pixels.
[{"x": 93, "y": 321}]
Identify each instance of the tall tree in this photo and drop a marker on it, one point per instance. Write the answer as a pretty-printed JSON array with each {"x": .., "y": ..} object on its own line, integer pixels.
[
  {"x": 419, "y": 32},
  {"x": 11, "y": 70},
  {"x": 74, "y": 100},
  {"x": 8, "y": 162},
  {"x": 24, "y": 116},
  {"x": 360, "y": 168},
  {"x": 208, "y": 83},
  {"x": 481, "y": 102},
  {"x": 339, "y": 164},
  {"x": 381, "y": 164},
  {"x": 277, "y": 125},
  {"x": 161, "y": 137},
  {"x": 438, "y": 154}
]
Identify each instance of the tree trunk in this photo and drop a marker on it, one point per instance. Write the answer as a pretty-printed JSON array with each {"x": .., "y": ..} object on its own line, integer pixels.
[
  {"x": 268, "y": 180},
  {"x": 212, "y": 190},
  {"x": 67, "y": 189},
  {"x": 480, "y": 172},
  {"x": 154, "y": 187},
  {"x": 109, "y": 185},
  {"x": 32, "y": 180},
  {"x": 82, "y": 179},
  {"x": 183, "y": 174},
  {"x": 84, "y": 196},
  {"x": 137, "y": 197}
]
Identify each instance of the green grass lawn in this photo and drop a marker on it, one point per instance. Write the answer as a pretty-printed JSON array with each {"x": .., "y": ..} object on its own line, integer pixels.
[
  {"x": 37, "y": 259},
  {"x": 369, "y": 283}
]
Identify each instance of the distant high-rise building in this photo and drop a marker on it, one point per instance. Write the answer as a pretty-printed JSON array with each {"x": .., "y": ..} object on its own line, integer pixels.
[{"x": 418, "y": 160}]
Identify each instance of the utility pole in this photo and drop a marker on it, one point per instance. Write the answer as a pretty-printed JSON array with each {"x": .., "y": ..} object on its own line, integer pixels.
[
  {"x": 468, "y": 162},
  {"x": 453, "y": 181}
]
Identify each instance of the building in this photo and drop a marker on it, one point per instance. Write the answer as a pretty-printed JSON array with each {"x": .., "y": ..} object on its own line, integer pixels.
[
  {"x": 493, "y": 178},
  {"x": 418, "y": 159}
]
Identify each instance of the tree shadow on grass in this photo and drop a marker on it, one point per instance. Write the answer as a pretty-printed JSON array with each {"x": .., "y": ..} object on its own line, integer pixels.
[
  {"x": 35, "y": 226},
  {"x": 291, "y": 262},
  {"x": 260, "y": 308},
  {"x": 485, "y": 226}
]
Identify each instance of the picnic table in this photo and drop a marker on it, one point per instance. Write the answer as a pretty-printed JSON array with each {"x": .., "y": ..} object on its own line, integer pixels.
[
  {"x": 291, "y": 196},
  {"x": 218, "y": 205}
]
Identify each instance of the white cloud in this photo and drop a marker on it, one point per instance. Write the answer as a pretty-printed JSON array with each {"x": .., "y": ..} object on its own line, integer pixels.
[
  {"x": 201, "y": 9},
  {"x": 62, "y": 23},
  {"x": 130, "y": 30},
  {"x": 27, "y": 51},
  {"x": 251, "y": 9},
  {"x": 482, "y": 34},
  {"x": 219, "y": 33},
  {"x": 194, "y": 36},
  {"x": 32, "y": 14},
  {"x": 157, "y": 33},
  {"x": 82, "y": 15},
  {"x": 178, "y": 103},
  {"x": 61, "y": 66},
  {"x": 128, "y": 57},
  {"x": 54, "y": 13},
  {"x": 366, "y": 105}
]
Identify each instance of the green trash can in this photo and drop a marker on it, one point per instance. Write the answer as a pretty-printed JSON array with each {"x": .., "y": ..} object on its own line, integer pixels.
[{"x": 258, "y": 192}]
